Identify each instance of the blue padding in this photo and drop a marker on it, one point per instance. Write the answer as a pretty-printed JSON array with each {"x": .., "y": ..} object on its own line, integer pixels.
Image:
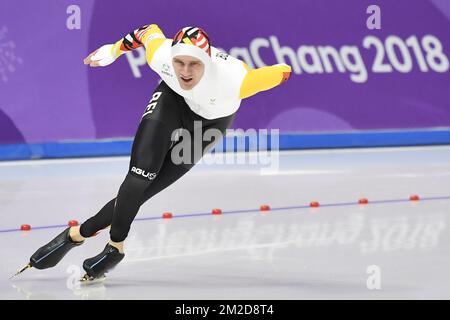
[
  {"x": 364, "y": 139},
  {"x": 287, "y": 141}
]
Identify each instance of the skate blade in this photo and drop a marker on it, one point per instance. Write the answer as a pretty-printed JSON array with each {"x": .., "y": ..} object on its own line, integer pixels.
[
  {"x": 88, "y": 280},
  {"x": 28, "y": 266}
]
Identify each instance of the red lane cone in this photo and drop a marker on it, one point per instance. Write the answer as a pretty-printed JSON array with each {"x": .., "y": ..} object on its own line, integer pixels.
[
  {"x": 314, "y": 204},
  {"x": 363, "y": 201},
  {"x": 25, "y": 227},
  {"x": 167, "y": 215},
  {"x": 73, "y": 223}
]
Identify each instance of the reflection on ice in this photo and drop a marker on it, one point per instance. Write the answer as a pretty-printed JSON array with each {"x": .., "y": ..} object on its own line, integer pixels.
[{"x": 261, "y": 239}]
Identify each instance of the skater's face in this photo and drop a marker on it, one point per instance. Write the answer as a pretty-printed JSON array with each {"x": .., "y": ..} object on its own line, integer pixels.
[{"x": 189, "y": 71}]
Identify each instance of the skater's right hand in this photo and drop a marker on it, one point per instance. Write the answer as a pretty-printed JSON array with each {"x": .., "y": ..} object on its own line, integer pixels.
[{"x": 101, "y": 57}]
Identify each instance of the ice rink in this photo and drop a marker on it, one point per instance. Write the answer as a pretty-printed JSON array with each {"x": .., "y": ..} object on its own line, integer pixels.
[{"x": 336, "y": 251}]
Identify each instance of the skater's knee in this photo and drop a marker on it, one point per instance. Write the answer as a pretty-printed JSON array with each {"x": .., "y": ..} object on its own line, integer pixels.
[
  {"x": 145, "y": 173},
  {"x": 134, "y": 185}
]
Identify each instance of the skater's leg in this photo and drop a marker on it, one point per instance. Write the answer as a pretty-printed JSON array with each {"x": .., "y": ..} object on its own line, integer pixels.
[
  {"x": 151, "y": 144},
  {"x": 168, "y": 174},
  {"x": 98, "y": 222},
  {"x": 150, "y": 147}
]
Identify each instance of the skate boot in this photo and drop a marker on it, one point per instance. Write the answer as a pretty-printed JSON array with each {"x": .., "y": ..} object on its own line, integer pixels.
[
  {"x": 50, "y": 254},
  {"x": 96, "y": 267}
]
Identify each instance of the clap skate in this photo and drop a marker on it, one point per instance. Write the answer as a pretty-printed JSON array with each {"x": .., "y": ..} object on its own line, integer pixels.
[
  {"x": 97, "y": 267},
  {"x": 50, "y": 254}
]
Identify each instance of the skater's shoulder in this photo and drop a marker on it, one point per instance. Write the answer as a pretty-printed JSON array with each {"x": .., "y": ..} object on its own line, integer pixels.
[
  {"x": 223, "y": 59},
  {"x": 228, "y": 68},
  {"x": 160, "y": 53}
]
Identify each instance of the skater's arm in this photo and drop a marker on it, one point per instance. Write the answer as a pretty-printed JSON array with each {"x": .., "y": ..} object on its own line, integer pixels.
[
  {"x": 264, "y": 78},
  {"x": 148, "y": 36}
]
